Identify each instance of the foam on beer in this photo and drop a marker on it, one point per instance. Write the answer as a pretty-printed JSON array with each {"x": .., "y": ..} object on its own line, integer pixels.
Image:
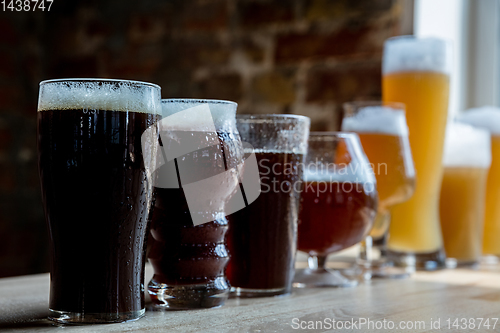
[
  {"x": 223, "y": 114},
  {"x": 110, "y": 95},
  {"x": 487, "y": 117},
  {"x": 377, "y": 119},
  {"x": 466, "y": 146},
  {"x": 402, "y": 54}
]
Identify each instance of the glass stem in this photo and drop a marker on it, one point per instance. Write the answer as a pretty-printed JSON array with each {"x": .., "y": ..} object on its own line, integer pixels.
[{"x": 317, "y": 263}]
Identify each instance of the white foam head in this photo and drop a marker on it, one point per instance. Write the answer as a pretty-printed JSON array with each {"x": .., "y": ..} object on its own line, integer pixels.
[
  {"x": 466, "y": 146},
  {"x": 408, "y": 53},
  {"x": 99, "y": 94},
  {"x": 487, "y": 117},
  {"x": 223, "y": 114},
  {"x": 377, "y": 119}
]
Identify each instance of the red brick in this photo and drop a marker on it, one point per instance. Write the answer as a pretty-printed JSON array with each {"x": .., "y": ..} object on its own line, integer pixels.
[
  {"x": 201, "y": 52},
  {"x": 341, "y": 9},
  {"x": 349, "y": 40},
  {"x": 344, "y": 83},
  {"x": 222, "y": 86},
  {"x": 252, "y": 50},
  {"x": 259, "y": 13},
  {"x": 5, "y": 139},
  {"x": 210, "y": 16},
  {"x": 274, "y": 87}
]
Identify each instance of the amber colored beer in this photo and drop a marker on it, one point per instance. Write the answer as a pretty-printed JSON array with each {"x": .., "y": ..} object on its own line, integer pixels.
[
  {"x": 462, "y": 211},
  {"x": 395, "y": 181},
  {"x": 415, "y": 226},
  {"x": 334, "y": 216},
  {"x": 491, "y": 235}
]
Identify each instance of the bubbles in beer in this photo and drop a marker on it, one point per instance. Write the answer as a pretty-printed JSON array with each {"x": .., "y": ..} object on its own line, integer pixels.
[
  {"x": 95, "y": 94},
  {"x": 466, "y": 146},
  {"x": 487, "y": 117},
  {"x": 408, "y": 53},
  {"x": 377, "y": 119}
]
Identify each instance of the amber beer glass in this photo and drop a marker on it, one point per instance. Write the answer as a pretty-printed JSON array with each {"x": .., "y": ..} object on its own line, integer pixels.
[
  {"x": 96, "y": 194},
  {"x": 467, "y": 158},
  {"x": 262, "y": 238},
  {"x": 339, "y": 204},
  {"x": 489, "y": 118},
  {"x": 383, "y": 133},
  {"x": 416, "y": 72}
]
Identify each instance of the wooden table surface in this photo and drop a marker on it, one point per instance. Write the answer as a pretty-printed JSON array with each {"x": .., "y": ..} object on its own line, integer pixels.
[{"x": 440, "y": 297}]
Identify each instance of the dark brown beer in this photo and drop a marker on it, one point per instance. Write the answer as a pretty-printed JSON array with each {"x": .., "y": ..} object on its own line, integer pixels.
[
  {"x": 185, "y": 256},
  {"x": 334, "y": 216},
  {"x": 97, "y": 200},
  {"x": 261, "y": 237}
]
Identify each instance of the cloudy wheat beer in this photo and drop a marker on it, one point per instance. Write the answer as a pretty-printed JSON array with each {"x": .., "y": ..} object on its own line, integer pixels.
[
  {"x": 383, "y": 133},
  {"x": 96, "y": 195},
  {"x": 467, "y": 158},
  {"x": 416, "y": 73},
  {"x": 489, "y": 118}
]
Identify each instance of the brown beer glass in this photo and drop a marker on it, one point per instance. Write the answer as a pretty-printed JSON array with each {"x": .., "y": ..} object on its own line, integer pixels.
[
  {"x": 339, "y": 204},
  {"x": 96, "y": 194},
  {"x": 186, "y": 246},
  {"x": 262, "y": 237}
]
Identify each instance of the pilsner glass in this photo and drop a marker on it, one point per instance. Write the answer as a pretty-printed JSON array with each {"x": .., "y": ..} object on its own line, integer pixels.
[
  {"x": 467, "y": 158},
  {"x": 416, "y": 72},
  {"x": 489, "y": 118},
  {"x": 262, "y": 238},
  {"x": 187, "y": 248},
  {"x": 96, "y": 194},
  {"x": 383, "y": 133},
  {"x": 339, "y": 205}
]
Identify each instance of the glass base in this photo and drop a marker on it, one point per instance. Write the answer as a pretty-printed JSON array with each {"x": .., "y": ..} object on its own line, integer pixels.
[
  {"x": 64, "y": 317},
  {"x": 247, "y": 292},
  {"x": 419, "y": 261},
  {"x": 308, "y": 278},
  {"x": 490, "y": 259},
  {"x": 384, "y": 269},
  {"x": 456, "y": 263},
  {"x": 184, "y": 297}
]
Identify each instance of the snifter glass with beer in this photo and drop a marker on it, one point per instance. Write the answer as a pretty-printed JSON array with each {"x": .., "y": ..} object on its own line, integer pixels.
[
  {"x": 489, "y": 118},
  {"x": 339, "y": 204},
  {"x": 416, "y": 72},
  {"x": 96, "y": 194},
  {"x": 383, "y": 133},
  {"x": 262, "y": 238},
  {"x": 467, "y": 158},
  {"x": 198, "y": 174}
]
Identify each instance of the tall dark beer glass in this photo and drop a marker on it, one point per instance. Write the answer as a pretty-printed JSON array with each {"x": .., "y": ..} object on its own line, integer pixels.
[
  {"x": 96, "y": 194},
  {"x": 262, "y": 238}
]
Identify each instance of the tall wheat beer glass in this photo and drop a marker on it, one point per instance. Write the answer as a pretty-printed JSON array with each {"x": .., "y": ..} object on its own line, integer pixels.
[
  {"x": 416, "y": 72},
  {"x": 489, "y": 118},
  {"x": 467, "y": 158}
]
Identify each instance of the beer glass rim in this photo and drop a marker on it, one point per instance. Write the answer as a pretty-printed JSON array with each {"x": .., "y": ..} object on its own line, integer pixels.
[
  {"x": 331, "y": 136},
  {"x": 197, "y": 100},
  {"x": 274, "y": 117},
  {"x": 392, "y": 105},
  {"x": 102, "y": 80}
]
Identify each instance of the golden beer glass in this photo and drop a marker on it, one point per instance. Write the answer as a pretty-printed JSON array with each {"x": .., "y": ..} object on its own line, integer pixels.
[
  {"x": 489, "y": 118},
  {"x": 416, "y": 72},
  {"x": 383, "y": 132},
  {"x": 467, "y": 158}
]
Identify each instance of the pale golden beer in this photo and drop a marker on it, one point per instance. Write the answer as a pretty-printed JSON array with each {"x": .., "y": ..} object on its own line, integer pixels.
[
  {"x": 416, "y": 73},
  {"x": 491, "y": 235},
  {"x": 467, "y": 158},
  {"x": 489, "y": 118},
  {"x": 463, "y": 195}
]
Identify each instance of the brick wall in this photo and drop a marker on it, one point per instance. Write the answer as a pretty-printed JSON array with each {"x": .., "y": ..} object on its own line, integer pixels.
[{"x": 271, "y": 56}]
